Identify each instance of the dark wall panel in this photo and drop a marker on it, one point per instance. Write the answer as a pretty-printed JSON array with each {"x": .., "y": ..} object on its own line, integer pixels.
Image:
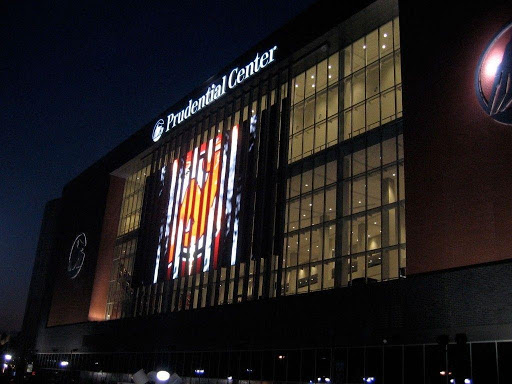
[
  {"x": 457, "y": 158},
  {"x": 83, "y": 208}
]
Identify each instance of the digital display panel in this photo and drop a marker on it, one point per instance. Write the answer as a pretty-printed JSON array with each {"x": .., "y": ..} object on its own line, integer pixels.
[{"x": 203, "y": 205}]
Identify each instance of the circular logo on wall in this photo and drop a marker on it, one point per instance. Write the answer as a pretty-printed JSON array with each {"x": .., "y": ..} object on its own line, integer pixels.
[
  {"x": 158, "y": 129},
  {"x": 77, "y": 255},
  {"x": 494, "y": 77}
]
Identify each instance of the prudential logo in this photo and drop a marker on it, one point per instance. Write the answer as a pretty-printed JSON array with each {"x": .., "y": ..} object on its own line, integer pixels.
[
  {"x": 493, "y": 80},
  {"x": 158, "y": 129}
]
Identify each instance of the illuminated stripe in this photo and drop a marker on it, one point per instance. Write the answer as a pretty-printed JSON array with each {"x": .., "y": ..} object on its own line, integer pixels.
[
  {"x": 168, "y": 217},
  {"x": 179, "y": 235},
  {"x": 231, "y": 182},
  {"x": 209, "y": 228},
  {"x": 172, "y": 262},
  {"x": 221, "y": 195},
  {"x": 191, "y": 206}
]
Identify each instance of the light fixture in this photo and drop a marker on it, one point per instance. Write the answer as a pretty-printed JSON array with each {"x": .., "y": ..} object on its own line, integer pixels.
[
  {"x": 7, "y": 357},
  {"x": 384, "y": 46},
  {"x": 312, "y": 76},
  {"x": 364, "y": 46},
  {"x": 230, "y": 377},
  {"x": 313, "y": 86},
  {"x": 385, "y": 35},
  {"x": 64, "y": 363},
  {"x": 442, "y": 373},
  {"x": 163, "y": 375},
  {"x": 330, "y": 66},
  {"x": 330, "y": 76},
  {"x": 467, "y": 381},
  {"x": 199, "y": 371},
  {"x": 296, "y": 85}
]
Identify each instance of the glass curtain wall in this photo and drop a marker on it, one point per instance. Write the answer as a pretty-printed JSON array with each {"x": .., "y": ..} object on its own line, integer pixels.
[
  {"x": 361, "y": 194},
  {"x": 353, "y": 91},
  {"x": 120, "y": 290}
]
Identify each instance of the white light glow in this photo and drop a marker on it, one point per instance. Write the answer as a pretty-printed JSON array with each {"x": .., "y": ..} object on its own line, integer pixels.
[
  {"x": 7, "y": 357},
  {"x": 491, "y": 65},
  {"x": 229, "y": 195},
  {"x": 64, "y": 363},
  {"x": 163, "y": 375}
]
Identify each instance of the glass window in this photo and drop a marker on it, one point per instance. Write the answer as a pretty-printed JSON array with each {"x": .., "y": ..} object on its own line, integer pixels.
[
  {"x": 328, "y": 279},
  {"x": 331, "y": 172},
  {"x": 333, "y": 101},
  {"x": 310, "y": 81},
  {"x": 298, "y": 88},
  {"x": 329, "y": 240},
  {"x": 372, "y": 47},
  {"x": 305, "y": 211},
  {"x": 316, "y": 244},
  {"x": 307, "y": 181},
  {"x": 333, "y": 68},
  {"x": 332, "y": 131},
  {"x": 372, "y": 80},
  {"x": 309, "y": 112},
  {"x": 374, "y": 230},
  {"x": 321, "y": 74},
  {"x": 298, "y": 116},
  {"x": 321, "y": 105},
  {"x": 304, "y": 247},
  {"x": 330, "y": 203},
  {"x": 319, "y": 175},
  {"x": 359, "y": 162},
  {"x": 358, "y": 233},
  {"x": 374, "y": 190},
  {"x": 318, "y": 207},
  {"x": 292, "y": 250}
]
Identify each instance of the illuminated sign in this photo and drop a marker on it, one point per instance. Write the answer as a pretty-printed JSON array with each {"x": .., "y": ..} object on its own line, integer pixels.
[
  {"x": 214, "y": 92},
  {"x": 493, "y": 80},
  {"x": 77, "y": 255},
  {"x": 202, "y": 218}
]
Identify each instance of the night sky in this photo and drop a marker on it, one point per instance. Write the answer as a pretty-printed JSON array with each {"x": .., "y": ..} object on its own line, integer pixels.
[{"x": 78, "y": 79}]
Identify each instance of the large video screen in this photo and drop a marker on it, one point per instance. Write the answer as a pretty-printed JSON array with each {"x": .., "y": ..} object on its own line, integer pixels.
[{"x": 201, "y": 224}]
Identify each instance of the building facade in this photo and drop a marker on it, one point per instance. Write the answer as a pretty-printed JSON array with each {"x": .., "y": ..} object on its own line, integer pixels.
[{"x": 333, "y": 206}]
